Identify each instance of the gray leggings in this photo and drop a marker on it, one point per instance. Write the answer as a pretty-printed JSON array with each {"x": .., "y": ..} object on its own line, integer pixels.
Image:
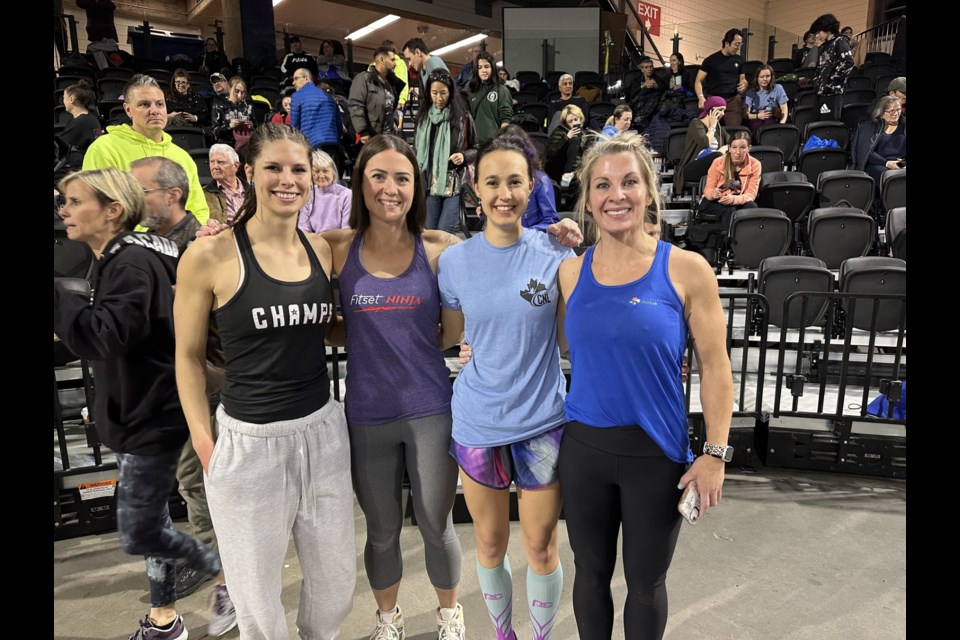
[{"x": 379, "y": 454}]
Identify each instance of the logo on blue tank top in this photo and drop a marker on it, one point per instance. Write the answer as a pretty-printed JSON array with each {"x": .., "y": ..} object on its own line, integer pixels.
[
  {"x": 535, "y": 293},
  {"x": 650, "y": 301}
]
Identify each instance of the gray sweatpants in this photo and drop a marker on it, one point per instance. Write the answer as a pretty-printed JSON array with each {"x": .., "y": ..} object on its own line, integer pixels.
[
  {"x": 266, "y": 480},
  {"x": 380, "y": 454}
]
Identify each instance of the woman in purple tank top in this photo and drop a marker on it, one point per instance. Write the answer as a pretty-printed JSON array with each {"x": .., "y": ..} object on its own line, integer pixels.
[
  {"x": 624, "y": 462},
  {"x": 398, "y": 386}
]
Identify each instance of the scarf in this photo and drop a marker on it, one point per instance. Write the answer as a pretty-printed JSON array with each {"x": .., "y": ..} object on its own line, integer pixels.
[{"x": 441, "y": 148}]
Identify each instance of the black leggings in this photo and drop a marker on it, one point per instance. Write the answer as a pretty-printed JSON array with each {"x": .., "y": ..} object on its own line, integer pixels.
[{"x": 611, "y": 477}]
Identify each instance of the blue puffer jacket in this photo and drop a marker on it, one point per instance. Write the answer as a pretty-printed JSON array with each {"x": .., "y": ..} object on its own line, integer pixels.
[{"x": 315, "y": 113}]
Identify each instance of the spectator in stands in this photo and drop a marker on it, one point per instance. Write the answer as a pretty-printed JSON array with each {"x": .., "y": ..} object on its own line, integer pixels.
[
  {"x": 315, "y": 112},
  {"x": 807, "y": 55},
  {"x": 833, "y": 67},
  {"x": 328, "y": 206},
  {"x": 644, "y": 94},
  {"x": 417, "y": 55},
  {"x": 466, "y": 72},
  {"x": 400, "y": 79},
  {"x": 542, "y": 206},
  {"x": 145, "y": 105},
  {"x": 490, "y": 101},
  {"x": 565, "y": 86},
  {"x": 212, "y": 60},
  {"x": 898, "y": 89},
  {"x": 184, "y": 107},
  {"x": 220, "y": 85},
  {"x": 705, "y": 141},
  {"x": 732, "y": 182},
  {"x": 721, "y": 74},
  {"x": 373, "y": 97},
  {"x": 880, "y": 144},
  {"x": 508, "y": 401},
  {"x": 282, "y": 116},
  {"x": 679, "y": 77},
  {"x": 80, "y": 132},
  {"x": 225, "y": 192},
  {"x": 165, "y": 190},
  {"x": 297, "y": 59},
  {"x": 766, "y": 101},
  {"x": 332, "y": 62},
  {"x": 281, "y": 461},
  {"x": 444, "y": 144},
  {"x": 565, "y": 144},
  {"x": 626, "y": 455},
  {"x": 507, "y": 81},
  {"x": 126, "y": 330},
  {"x": 620, "y": 121},
  {"x": 232, "y": 119}
]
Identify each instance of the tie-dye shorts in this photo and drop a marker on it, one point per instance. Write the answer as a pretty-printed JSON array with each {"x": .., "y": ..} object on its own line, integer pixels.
[{"x": 531, "y": 463}]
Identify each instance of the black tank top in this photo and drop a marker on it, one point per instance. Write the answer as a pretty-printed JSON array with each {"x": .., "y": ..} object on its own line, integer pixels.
[{"x": 272, "y": 334}]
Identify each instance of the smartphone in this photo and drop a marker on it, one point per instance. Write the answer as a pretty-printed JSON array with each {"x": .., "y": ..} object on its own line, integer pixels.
[
  {"x": 901, "y": 163},
  {"x": 689, "y": 505}
]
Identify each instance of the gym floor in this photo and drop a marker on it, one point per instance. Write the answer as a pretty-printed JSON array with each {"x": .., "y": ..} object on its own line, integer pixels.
[{"x": 793, "y": 555}]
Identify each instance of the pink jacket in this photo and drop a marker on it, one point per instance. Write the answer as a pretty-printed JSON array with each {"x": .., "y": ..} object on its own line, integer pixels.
[{"x": 749, "y": 180}]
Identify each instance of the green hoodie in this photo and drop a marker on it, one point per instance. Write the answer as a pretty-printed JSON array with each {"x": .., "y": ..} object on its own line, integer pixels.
[{"x": 122, "y": 145}]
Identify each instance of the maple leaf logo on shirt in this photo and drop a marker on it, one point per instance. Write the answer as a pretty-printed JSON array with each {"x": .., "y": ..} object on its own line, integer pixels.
[{"x": 535, "y": 293}]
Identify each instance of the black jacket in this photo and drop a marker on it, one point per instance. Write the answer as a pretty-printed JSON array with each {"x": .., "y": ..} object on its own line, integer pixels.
[
  {"x": 865, "y": 141},
  {"x": 127, "y": 333}
]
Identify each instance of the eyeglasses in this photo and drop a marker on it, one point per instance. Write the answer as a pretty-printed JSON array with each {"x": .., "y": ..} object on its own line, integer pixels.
[
  {"x": 182, "y": 83},
  {"x": 894, "y": 111}
]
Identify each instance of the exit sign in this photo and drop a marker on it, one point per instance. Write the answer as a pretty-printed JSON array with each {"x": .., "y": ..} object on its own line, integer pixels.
[{"x": 650, "y": 16}]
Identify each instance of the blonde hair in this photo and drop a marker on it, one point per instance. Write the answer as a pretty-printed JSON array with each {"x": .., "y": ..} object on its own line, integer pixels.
[
  {"x": 635, "y": 145},
  {"x": 567, "y": 110},
  {"x": 112, "y": 185}
]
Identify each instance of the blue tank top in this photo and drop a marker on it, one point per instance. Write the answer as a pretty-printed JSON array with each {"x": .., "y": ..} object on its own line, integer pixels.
[
  {"x": 272, "y": 334},
  {"x": 626, "y": 351},
  {"x": 395, "y": 369}
]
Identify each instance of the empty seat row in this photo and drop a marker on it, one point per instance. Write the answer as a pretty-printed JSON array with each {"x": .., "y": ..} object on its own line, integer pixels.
[{"x": 807, "y": 279}]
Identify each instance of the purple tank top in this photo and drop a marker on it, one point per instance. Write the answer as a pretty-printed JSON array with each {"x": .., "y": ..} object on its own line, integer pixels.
[{"x": 395, "y": 371}]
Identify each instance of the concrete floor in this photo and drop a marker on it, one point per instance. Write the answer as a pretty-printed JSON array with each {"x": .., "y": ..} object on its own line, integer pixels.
[{"x": 793, "y": 555}]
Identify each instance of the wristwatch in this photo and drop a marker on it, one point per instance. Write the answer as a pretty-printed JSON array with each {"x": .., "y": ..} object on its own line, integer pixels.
[{"x": 717, "y": 451}]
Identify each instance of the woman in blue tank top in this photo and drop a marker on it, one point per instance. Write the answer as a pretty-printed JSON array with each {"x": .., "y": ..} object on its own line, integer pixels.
[{"x": 630, "y": 300}]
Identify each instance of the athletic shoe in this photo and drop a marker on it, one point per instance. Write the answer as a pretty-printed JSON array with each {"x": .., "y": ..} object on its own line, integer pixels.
[
  {"x": 189, "y": 580},
  {"x": 224, "y": 616},
  {"x": 389, "y": 630},
  {"x": 453, "y": 628},
  {"x": 147, "y": 631}
]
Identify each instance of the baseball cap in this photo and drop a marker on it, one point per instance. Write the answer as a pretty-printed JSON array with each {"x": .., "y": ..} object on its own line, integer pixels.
[
  {"x": 218, "y": 77},
  {"x": 898, "y": 84}
]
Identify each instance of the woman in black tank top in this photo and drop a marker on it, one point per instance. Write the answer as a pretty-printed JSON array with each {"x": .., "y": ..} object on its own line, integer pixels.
[{"x": 280, "y": 462}]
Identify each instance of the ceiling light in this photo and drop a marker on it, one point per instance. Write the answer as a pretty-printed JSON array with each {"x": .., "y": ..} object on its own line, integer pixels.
[
  {"x": 276, "y": 2},
  {"x": 373, "y": 26},
  {"x": 458, "y": 45}
]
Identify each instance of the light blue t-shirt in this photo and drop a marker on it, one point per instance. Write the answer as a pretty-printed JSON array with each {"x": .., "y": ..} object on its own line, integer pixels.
[
  {"x": 512, "y": 388},
  {"x": 765, "y": 100}
]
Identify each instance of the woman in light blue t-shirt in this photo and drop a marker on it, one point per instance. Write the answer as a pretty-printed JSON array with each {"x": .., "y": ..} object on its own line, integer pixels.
[
  {"x": 766, "y": 101},
  {"x": 508, "y": 400}
]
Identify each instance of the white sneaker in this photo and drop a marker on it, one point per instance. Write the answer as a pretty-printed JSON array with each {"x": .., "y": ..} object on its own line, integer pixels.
[
  {"x": 389, "y": 630},
  {"x": 453, "y": 628}
]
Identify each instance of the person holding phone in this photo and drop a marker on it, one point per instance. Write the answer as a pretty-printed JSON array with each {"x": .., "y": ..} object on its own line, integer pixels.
[
  {"x": 766, "y": 101},
  {"x": 706, "y": 141},
  {"x": 564, "y": 144},
  {"x": 881, "y": 143},
  {"x": 232, "y": 118},
  {"x": 732, "y": 182}
]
